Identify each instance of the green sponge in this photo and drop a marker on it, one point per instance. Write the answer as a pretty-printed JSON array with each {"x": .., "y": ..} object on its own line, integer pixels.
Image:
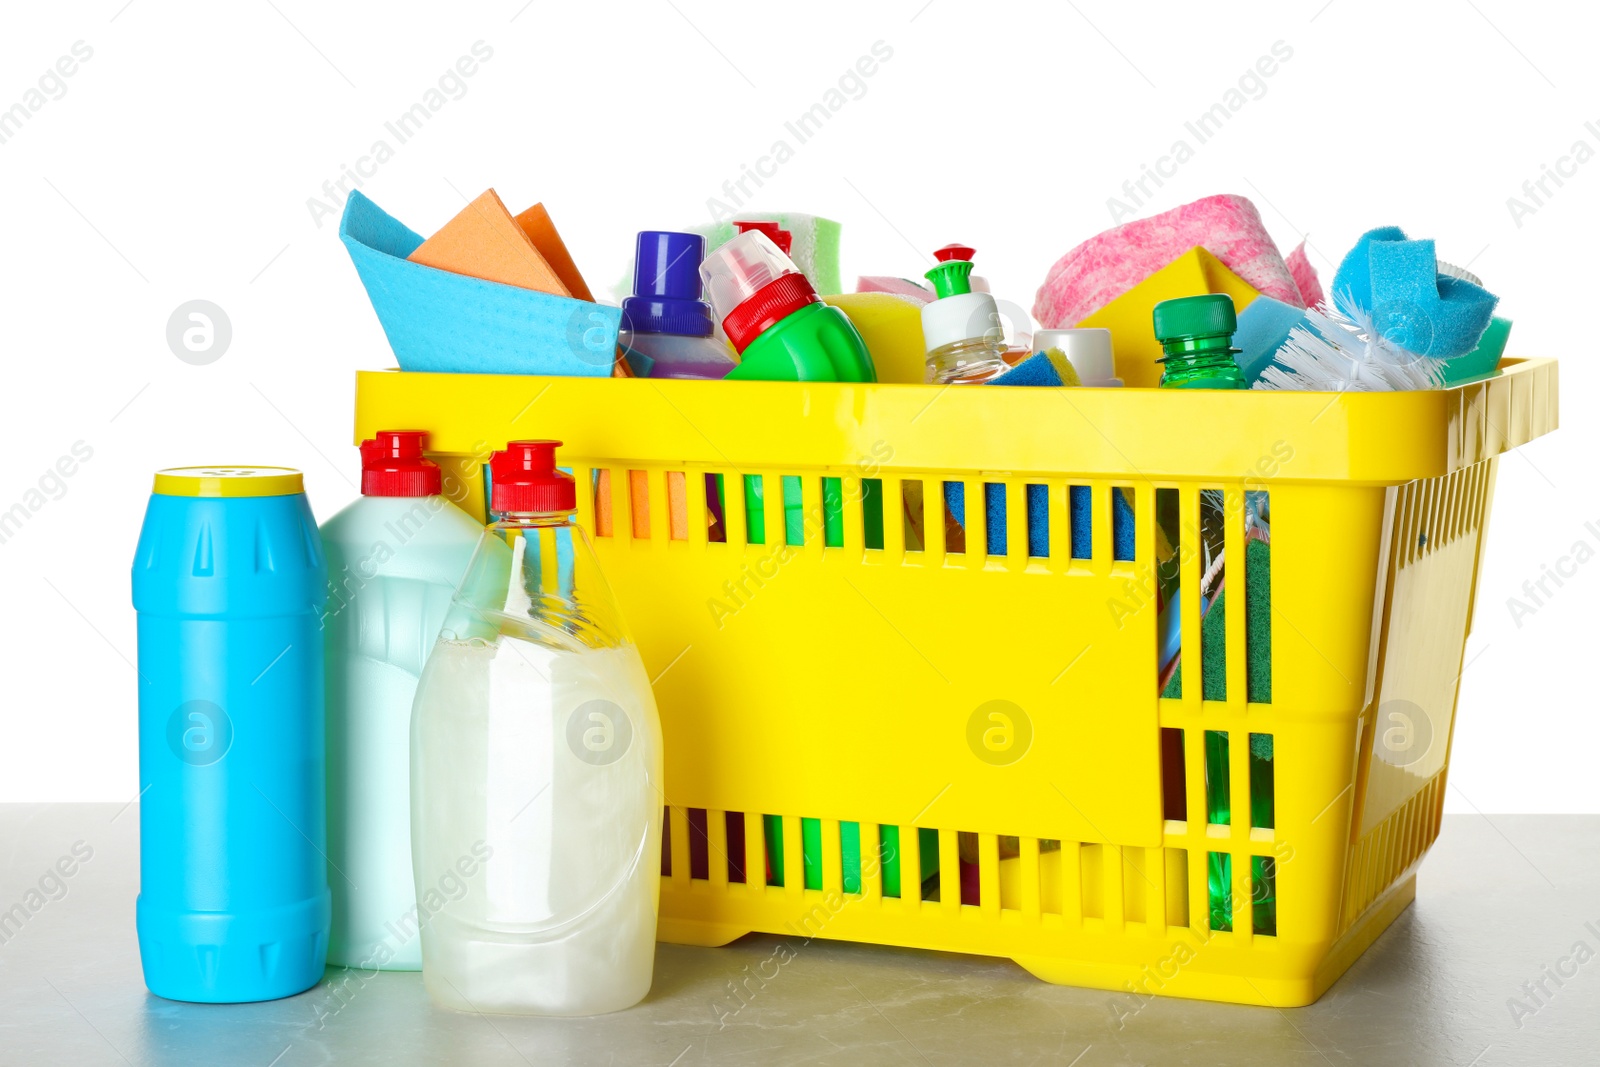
[{"x": 1257, "y": 635}]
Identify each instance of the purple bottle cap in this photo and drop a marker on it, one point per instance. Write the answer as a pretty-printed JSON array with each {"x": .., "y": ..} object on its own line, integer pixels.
[{"x": 666, "y": 286}]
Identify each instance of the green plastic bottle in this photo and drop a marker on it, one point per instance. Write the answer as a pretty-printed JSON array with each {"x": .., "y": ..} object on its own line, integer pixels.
[
  {"x": 1196, "y": 333},
  {"x": 781, "y": 329}
]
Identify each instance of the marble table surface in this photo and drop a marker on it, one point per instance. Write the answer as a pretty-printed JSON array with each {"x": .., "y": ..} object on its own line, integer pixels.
[{"x": 1502, "y": 900}]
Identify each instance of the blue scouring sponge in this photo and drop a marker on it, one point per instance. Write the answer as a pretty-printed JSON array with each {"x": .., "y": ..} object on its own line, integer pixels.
[
  {"x": 1264, "y": 326},
  {"x": 1049, "y": 368},
  {"x": 1080, "y": 505},
  {"x": 1397, "y": 281}
]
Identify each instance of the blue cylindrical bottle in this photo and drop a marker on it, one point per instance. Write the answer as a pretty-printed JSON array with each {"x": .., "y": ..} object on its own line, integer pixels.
[{"x": 229, "y": 582}]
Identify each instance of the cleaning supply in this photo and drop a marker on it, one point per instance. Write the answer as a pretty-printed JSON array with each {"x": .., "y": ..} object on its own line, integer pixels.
[
  {"x": 442, "y": 322},
  {"x": 883, "y": 283},
  {"x": 1263, "y": 327},
  {"x": 484, "y": 241},
  {"x": 1342, "y": 350},
  {"x": 537, "y": 225},
  {"x": 1128, "y": 316},
  {"x": 891, "y": 327},
  {"x": 1483, "y": 360},
  {"x": 961, "y": 328},
  {"x": 1196, "y": 333},
  {"x": 1415, "y": 306},
  {"x": 775, "y": 232},
  {"x": 813, "y": 245},
  {"x": 1304, "y": 275},
  {"x": 775, "y": 320},
  {"x": 665, "y": 321},
  {"x": 1051, "y": 368},
  {"x": 1087, "y": 350},
  {"x": 229, "y": 582},
  {"x": 1109, "y": 264},
  {"x": 536, "y": 767},
  {"x": 395, "y": 556}
]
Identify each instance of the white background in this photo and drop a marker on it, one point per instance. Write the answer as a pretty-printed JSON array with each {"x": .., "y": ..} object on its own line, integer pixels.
[{"x": 179, "y": 162}]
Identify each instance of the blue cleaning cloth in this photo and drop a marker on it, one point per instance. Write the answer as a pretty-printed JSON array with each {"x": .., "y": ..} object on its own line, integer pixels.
[
  {"x": 1264, "y": 326},
  {"x": 450, "y": 323},
  {"x": 1398, "y": 282},
  {"x": 1080, "y": 504}
]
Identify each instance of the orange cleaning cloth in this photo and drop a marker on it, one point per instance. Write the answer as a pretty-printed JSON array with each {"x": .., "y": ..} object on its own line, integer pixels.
[
  {"x": 535, "y": 222},
  {"x": 484, "y": 241}
]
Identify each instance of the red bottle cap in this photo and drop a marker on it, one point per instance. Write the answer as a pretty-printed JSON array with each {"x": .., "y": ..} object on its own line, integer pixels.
[
  {"x": 526, "y": 479},
  {"x": 774, "y": 231},
  {"x": 776, "y": 300},
  {"x": 954, "y": 251},
  {"x": 392, "y": 464}
]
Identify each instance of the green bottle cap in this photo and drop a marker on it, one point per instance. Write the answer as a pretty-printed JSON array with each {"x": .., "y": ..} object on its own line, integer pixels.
[
  {"x": 950, "y": 278},
  {"x": 1210, "y": 315}
]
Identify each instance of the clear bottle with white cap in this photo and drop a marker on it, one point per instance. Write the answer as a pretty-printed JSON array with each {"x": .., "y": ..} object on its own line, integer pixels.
[
  {"x": 1087, "y": 349},
  {"x": 962, "y": 329}
]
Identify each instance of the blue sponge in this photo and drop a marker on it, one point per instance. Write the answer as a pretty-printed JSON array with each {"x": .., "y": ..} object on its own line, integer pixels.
[
  {"x": 1040, "y": 369},
  {"x": 1264, "y": 326},
  {"x": 1398, "y": 282},
  {"x": 1037, "y": 369},
  {"x": 1080, "y": 504}
]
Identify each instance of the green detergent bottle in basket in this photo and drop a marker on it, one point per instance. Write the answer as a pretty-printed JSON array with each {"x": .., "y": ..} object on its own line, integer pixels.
[{"x": 783, "y": 332}]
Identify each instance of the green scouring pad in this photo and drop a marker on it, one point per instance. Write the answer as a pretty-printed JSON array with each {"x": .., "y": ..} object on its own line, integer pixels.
[{"x": 1257, "y": 637}]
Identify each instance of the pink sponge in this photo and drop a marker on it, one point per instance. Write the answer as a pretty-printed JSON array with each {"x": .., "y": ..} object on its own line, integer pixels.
[
  {"x": 1104, "y": 267},
  {"x": 1305, "y": 276}
]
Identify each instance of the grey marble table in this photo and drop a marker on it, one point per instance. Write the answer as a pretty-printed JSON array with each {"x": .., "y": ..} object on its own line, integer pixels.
[{"x": 1501, "y": 902}]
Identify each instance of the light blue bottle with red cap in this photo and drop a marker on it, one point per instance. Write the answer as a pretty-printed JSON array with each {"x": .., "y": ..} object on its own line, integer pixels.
[{"x": 229, "y": 582}]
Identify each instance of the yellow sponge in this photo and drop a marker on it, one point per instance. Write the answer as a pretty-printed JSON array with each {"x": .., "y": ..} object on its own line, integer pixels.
[
  {"x": 1128, "y": 317},
  {"x": 891, "y": 326}
]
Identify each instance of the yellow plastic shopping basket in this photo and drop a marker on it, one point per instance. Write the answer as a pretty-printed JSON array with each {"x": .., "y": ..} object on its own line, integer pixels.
[{"x": 902, "y": 707}]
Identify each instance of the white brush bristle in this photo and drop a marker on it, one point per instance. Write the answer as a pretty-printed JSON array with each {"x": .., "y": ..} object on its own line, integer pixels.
[{"x": 1345, "y": 352}]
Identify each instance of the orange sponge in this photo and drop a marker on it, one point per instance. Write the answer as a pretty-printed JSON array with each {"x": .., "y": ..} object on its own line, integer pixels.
[
  {"x": 535, "y": 222},
  {"x": 484, "y": 241}
]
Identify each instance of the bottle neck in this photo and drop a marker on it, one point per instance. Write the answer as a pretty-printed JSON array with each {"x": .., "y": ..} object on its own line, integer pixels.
[
  {"x": 523, "y": 520},
  {"x": 973, "y": 360},
  {"x": 1189, "y": 360}
]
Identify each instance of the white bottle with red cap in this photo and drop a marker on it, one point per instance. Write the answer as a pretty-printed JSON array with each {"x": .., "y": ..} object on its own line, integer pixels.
[
  {"x": 536, "y": 771},
  {"x": 395, "y": 557}
]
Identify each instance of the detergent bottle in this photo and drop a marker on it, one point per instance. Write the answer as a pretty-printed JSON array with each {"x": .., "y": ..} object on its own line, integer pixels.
[
  {"x": 229, "y": 580},
  {"x": 665, "y": 321},
  {"x": 776, "y": 321},
  {"x": 962, "y": 329},
  {"x": 395, "y": 556},
  {"x": 536, "y": 771}
]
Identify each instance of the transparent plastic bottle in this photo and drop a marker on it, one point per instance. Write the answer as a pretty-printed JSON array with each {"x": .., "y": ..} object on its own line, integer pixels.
[
  {"x": 536, "y": 771},
  {"x": 966, "y": 343}
]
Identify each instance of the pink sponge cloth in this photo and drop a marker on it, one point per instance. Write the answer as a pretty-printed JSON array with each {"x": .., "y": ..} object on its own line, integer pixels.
[
  {"x": 1101, "y": 269},
  {"x": 882, "y": 283},
  {"x": 1305, "y": 276}
]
